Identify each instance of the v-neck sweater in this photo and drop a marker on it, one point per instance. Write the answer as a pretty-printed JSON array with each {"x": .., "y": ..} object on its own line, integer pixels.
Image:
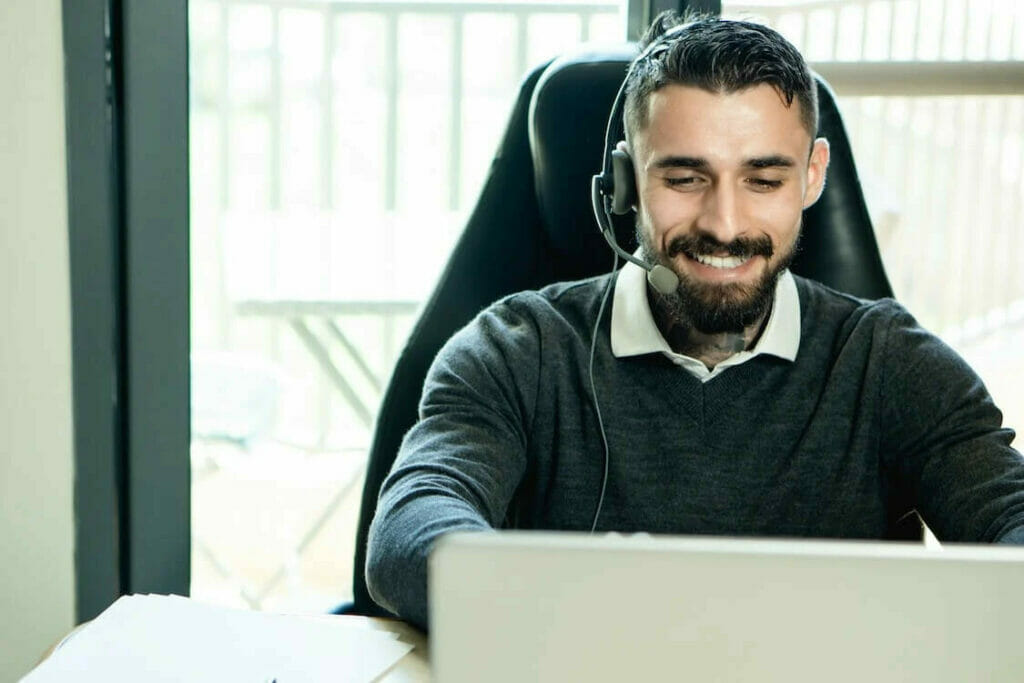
[{"x": 874, "y": 418}]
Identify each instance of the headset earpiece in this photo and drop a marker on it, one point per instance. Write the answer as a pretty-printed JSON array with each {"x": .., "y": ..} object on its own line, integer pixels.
[{"x": 624, "y": 183}]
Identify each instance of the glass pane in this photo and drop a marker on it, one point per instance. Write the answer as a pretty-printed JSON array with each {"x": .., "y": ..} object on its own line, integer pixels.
[
  {"x": 943, "y": 176},
  {"x": 335, "y": 154}
]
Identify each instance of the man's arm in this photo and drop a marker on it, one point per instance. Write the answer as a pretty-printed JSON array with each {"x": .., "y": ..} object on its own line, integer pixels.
[
  {"x": 945, "y": 438},
  {"x": 459, "y": 466}
]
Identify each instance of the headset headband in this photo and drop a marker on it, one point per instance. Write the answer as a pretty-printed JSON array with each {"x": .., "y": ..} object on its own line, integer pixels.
[{"x": 611, "y": 132}]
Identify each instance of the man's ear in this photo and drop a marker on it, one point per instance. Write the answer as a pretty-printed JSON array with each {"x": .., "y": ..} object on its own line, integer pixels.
[{"x": 817, "y": 168}]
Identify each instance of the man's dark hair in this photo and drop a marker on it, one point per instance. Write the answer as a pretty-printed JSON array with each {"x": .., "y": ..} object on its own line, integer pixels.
[{"x": 720, "y": 56}]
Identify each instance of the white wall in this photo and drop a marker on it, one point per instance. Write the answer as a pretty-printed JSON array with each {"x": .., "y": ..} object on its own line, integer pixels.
[{"x": 36, "y": 465}]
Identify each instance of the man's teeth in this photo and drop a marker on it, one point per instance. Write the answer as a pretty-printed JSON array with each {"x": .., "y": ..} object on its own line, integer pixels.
[{"x": 720, "y": 262}]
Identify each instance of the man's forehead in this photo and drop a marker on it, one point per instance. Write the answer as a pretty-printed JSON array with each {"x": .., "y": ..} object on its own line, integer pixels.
[
  {"x": 754, "y": 117},
  {"x": 769, "y": 99}
]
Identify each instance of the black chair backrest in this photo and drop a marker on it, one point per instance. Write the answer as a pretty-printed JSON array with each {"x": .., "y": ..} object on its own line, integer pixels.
[{"x": 533, "y": 225}]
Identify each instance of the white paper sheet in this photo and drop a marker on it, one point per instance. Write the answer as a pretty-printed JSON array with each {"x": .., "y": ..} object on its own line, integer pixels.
[{"x": 171, "y": 638}]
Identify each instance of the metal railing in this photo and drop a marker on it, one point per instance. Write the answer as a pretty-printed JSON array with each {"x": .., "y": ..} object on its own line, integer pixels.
[
  {"x": 330, "y": 15},
  {"x": 894, "y": 30}
]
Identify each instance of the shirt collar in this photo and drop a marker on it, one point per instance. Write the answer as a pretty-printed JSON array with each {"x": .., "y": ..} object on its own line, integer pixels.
[{"x": 634, "y": 332}]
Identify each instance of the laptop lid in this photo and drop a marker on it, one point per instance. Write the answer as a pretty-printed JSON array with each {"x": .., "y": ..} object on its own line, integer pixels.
[{"x": 544, "y": 606}]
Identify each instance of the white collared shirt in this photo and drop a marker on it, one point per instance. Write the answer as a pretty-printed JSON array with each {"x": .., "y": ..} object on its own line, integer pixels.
[{"x": 634, "y": 331}]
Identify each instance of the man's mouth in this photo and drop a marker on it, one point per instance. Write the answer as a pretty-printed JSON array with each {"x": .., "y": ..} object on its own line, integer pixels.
[
  {"x": 724, "y": 257},
  {"x": 721, "y": 262}
]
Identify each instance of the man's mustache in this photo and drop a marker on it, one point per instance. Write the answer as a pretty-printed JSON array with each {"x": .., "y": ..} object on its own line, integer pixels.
[{"x": 702, "y": 243}]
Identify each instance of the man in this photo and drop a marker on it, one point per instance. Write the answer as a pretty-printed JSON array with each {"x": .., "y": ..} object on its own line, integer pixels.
[{"x": 745, "y": 401}]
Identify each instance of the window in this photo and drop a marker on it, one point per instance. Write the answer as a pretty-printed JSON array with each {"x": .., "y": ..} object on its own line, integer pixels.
[{"x": 336, "y": 149}]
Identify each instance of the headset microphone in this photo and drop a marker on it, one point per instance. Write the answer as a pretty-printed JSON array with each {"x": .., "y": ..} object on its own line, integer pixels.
[{"x": 659, "y": 277}]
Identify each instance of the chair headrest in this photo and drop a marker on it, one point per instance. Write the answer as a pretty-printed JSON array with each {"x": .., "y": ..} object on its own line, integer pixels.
[{"x": 568, "y": 117}]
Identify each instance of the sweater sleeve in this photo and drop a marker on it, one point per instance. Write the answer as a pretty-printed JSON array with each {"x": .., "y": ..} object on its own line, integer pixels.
[
  {"x": 944, "y": 438},
  {"x": 460, "y": 464}
]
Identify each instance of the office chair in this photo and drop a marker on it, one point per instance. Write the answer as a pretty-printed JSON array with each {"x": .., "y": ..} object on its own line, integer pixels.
[{"x": 533, "y": 225}]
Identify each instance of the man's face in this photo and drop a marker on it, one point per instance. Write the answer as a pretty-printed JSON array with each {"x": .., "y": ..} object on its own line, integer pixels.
[{"x": 722, "y": 179}]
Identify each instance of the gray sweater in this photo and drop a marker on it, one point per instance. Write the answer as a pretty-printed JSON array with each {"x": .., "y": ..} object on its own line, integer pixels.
[{"x": 876, "y": 417}]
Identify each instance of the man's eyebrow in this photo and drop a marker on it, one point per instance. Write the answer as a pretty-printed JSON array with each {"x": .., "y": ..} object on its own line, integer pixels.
[
  {"x": 696, "y": 163},
  {"x": 701, "y": 164},
  {"x": 770, "y": 161}
]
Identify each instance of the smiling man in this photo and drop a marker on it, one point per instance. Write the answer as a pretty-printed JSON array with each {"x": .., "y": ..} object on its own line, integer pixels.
[
  {"x": 743, "y": 401},
  {"x": 726, "y": 162}
]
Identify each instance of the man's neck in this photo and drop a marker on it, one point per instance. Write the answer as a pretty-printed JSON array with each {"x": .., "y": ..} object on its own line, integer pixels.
[{"x": 709, "y": 349}]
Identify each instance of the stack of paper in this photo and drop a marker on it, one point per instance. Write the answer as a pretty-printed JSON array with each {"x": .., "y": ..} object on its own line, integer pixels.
[{"x": 171, "y": 638}]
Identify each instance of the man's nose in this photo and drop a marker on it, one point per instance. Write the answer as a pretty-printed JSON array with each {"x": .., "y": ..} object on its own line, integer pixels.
[{"x": 720, "y": 214}]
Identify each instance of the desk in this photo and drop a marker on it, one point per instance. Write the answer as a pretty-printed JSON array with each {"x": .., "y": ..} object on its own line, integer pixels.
[{"x": 320, "y": 339}]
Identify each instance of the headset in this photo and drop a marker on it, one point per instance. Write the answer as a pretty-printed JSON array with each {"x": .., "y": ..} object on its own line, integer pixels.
[{"x": 613, "y": 191}]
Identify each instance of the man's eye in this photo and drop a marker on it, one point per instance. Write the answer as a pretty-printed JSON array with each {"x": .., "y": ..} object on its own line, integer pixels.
[
  {"x": 765, "y": 184},
  {"x": 687, "y": 181}
]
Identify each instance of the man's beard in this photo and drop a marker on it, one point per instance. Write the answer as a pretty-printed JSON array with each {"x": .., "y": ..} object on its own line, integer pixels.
[{"x": 716, "y": 308}]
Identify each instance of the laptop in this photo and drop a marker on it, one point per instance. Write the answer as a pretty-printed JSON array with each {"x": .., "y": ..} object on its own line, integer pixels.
[{"x": 554, "y": 606}]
